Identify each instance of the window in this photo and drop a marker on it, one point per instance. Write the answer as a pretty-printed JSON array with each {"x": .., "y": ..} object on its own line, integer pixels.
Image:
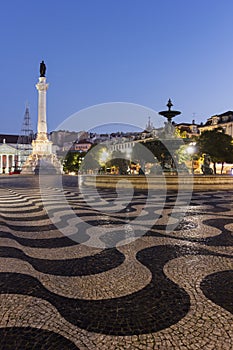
[{"x": 215, "y": 120}]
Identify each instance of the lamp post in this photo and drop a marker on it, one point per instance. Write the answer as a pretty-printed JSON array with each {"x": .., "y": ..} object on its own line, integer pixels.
[
  {"x": 191, "y": 149},
  {"x": 103, "y": 159}
]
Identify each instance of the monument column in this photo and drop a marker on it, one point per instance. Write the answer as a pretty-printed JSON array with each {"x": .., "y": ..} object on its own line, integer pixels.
[
  {"x": 42, "y": 146},
  {"x": 42, "y": 88},
  {"x": 42, "y": 159}
]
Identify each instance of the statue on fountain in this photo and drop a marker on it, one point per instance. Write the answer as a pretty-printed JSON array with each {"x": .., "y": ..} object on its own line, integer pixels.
[{"x": 206, "y": 165}]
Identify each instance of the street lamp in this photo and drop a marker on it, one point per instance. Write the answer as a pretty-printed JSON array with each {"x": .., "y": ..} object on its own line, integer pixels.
[
  {"x": 103, "y": 159},
  {"x": 104, "y": 156},
  {"x": 191, "y": 149}
]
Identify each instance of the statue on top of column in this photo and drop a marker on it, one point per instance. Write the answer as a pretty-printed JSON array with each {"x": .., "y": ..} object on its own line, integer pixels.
[{"x": 42, "y": 69}]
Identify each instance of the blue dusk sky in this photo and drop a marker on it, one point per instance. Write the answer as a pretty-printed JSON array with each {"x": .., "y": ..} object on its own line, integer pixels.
[{"x": 99, "y": 51}]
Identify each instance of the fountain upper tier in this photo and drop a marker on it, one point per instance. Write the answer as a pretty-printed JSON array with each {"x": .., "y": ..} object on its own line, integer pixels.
[{"x": 169, "y": 114}]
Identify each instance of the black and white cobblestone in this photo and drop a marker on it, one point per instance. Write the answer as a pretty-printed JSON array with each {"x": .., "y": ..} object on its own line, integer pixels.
[{"x": 165, "y": 290}]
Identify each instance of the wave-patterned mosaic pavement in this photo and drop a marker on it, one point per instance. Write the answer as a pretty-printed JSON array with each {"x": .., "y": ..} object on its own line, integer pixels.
[{"x": 164, "y": 290}]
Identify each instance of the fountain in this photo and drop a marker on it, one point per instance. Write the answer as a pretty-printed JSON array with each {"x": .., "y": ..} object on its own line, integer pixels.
[
  {"x": 170, "y": 142},
  {"x": 169, "y": 114}
]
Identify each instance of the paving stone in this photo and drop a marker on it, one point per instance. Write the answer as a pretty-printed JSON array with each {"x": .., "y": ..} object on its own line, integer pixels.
[{"x": 167, "y": 289}]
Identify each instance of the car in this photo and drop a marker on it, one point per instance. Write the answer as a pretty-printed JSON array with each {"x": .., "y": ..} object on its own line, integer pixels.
[{"x": 14, "y": 172}]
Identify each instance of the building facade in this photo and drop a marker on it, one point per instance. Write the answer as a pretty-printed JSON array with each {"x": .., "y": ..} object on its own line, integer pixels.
[
  {"x": 187, "y": 130},
  {"x": 13, "y": 153},
  {"x": 9, "y": 156},
  {"x": 224, "y": 120},
  {"x": 81, "y": 146}
]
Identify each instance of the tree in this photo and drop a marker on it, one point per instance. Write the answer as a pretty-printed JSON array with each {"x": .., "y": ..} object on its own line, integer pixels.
[
  {"x": 141, "y": 153},
  {"x": 218, "y": 145},
  {"x": 95, "y": 159},
  {"x": 72, "y": 161},
  {"x": 89, "y": 163},
  {"x": 119, "y": 160}
]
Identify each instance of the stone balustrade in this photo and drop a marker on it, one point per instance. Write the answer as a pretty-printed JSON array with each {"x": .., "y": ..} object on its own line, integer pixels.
[{"x": 181, "y": 182}]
